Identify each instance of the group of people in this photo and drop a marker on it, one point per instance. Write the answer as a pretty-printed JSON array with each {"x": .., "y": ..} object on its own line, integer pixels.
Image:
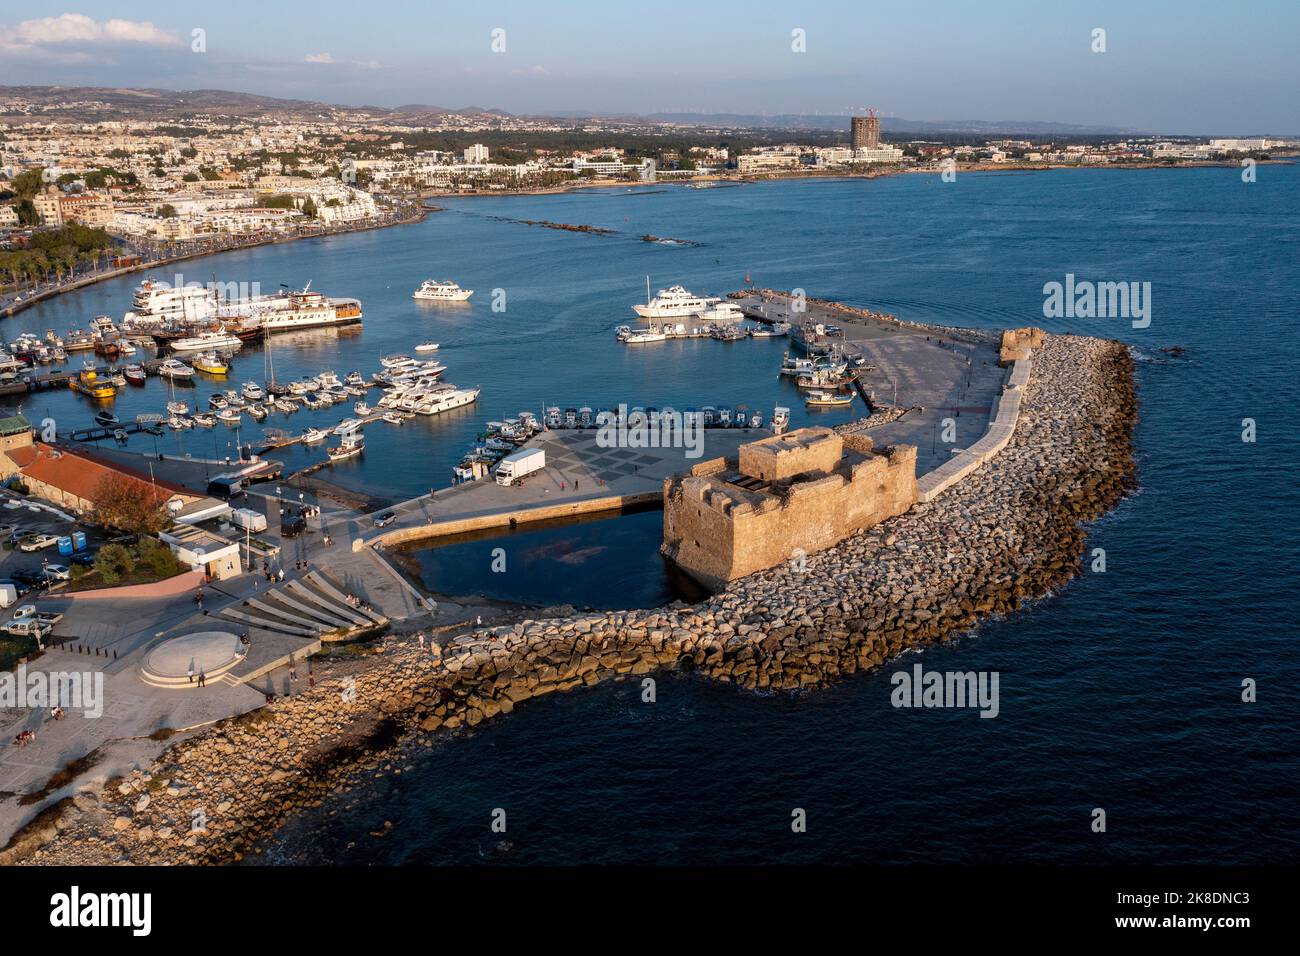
[{"x": 24, "y": 738}]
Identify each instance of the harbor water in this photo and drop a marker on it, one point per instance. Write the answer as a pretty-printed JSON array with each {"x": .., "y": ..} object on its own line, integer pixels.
[{"x": 1122, "y": 692}]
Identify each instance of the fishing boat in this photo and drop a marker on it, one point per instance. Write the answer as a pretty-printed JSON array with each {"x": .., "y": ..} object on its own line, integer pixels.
[
  {"x": 351, "y": 445},
  {"x": 134, "y": 374},
  {"x": 89, "y": 383},
  {"x": 427, "y": 347},
  {"x": 313, "y": 436},
  {"x": 230, "y": 416},
  {"x": 175, "y": 369},
  {"x": 827, "y": 400},
  {"x": 211, "y": 363}
]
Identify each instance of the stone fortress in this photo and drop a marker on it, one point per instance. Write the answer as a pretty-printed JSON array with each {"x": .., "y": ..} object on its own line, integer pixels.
[{"x": 790, "y": 494}]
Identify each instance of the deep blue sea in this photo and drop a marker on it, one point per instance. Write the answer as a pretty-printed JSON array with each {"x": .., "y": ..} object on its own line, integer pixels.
[{"x": 1121, "y": 692}]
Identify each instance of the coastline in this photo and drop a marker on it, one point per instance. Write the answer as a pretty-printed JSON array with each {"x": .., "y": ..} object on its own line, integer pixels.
[
  {"x": 14, "y": 308},
  {"x": 1011, "y": 532}
]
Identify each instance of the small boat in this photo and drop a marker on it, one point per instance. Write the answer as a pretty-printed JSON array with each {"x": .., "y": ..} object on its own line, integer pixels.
[
  {"x": 178, "y": 408},
  {"x": 134, "y": 374},
  {"x": 206, "y": 341},
  {"x": 106, "y": 418},
  {"x": 119, "y": 435},
  {"x": 780, "y": 419},
  {"x": 257, "y": 411},
  {"x": 230, "y": 416},
  {"x": 313, "y": 436},
  {"x": 204, "y": 420},
  {"x": 175, "y": 369},
  {"x": 351, "y": 446},
  {"x": 211, "y": 363},
  {"x": 394, "y": 418},
  {"x": 427, "y": 347},
  {"x": 253, "y": 391},
  {"x": 218, "y": 402},
  {"x": 348, "y": 425},
  {"x": 355, "y": 379},
  {"x": 827, "y": 400},
  {"x": 177, "y": 423},
  {"x": 361, "y": 408}
]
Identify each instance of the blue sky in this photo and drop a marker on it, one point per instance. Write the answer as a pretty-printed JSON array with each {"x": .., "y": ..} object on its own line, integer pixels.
[{"x": 1193, "y": 67}]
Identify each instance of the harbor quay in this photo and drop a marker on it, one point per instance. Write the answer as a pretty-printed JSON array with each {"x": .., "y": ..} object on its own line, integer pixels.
[{"x": 1007, "y": 525}]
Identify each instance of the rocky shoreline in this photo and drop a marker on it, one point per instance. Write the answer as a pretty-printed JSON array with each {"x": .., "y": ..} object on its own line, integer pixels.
[{"x": 1010, "y": 532}]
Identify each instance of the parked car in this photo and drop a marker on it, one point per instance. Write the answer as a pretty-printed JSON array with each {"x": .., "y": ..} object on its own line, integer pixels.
[
  {"x": 84, "y": 558},
  {"x": 385, "y": 519},
  {"x": 31, "y": 579},
  {"x": 58, "y": 572},
  {"x": 19, "y": 532},
  {"x": 7, "y": 529},
  {"x": 292, "y": 525},
  {"x": 26, "y": 627},
  {"x": 37, "y": 542}
]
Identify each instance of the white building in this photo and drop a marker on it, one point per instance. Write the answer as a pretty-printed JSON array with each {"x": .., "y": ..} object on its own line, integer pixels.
[{"x": 478, "y": 153}]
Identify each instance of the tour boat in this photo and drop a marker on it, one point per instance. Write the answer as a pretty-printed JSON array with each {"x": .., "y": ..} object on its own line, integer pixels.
[
  {"x": 89, "y": 383},
  {"x": 211, "y": 363},
  {"x": 827, "y": 399},
  {"x": 441, "y": 291},
  {"x": 427, "y": 347},
  {"x": 174, "y": 368},
  {"x": 134, "y": 374},
  {"x": 673, "y": 302}
]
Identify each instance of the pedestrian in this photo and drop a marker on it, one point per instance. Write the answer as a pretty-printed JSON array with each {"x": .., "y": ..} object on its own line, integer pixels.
[
  {"x": 419, "y": 636},
  {"x": 190, "y": 673},
  {"x": 478, "y": 620},
  {"x": 203, "y": 678},
  {"x": 282, "y": 574}
]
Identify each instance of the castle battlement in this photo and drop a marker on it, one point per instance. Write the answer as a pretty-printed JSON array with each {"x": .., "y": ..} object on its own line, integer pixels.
[{"x": 803, "y": 491}]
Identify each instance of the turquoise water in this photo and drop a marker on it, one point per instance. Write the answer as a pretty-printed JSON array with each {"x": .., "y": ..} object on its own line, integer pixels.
[{"x": 1121, "y": 692}]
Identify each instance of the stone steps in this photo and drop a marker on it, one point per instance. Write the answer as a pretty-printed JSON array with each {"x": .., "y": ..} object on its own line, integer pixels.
[
  {"x": 341, "y": 609},
  {"x": 268, "y": 625},
  {"x": 329, "y": 589}
]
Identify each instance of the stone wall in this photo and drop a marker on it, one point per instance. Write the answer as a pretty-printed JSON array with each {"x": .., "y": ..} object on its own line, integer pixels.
[
  {"x": 807, "y": 494},
  {"x": 1017, "y": 344}
]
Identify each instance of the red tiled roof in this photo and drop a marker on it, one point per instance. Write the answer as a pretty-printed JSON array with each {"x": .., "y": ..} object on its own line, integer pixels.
[{"x": 79, "y": 474}]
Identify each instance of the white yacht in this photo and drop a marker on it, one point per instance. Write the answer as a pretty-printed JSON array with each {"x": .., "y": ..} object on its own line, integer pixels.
[
  {"x": 157, "y": 303},
  {"x": 174, "y": 368},
  {"x": 441, "y": 291},
  {"x": 674, "y": 302},
  {"x": 724, "y": 313},
  {"x": 446, "y": 398},
  {"x": 207, "y": 341}
]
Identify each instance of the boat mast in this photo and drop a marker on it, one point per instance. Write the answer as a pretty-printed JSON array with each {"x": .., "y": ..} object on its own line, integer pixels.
[{"x": 647, "y": 289}]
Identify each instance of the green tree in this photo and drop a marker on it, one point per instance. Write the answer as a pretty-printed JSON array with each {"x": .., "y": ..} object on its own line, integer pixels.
[{"x": 112, "y": 561}]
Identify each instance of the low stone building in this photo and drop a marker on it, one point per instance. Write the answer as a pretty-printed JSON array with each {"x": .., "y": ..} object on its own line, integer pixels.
[{"x": 783, "y": 496}]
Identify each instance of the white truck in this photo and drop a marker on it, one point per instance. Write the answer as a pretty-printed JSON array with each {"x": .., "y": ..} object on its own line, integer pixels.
[
  {"x": 248, "y": 519},
  {"x": 516, "y": 466}
]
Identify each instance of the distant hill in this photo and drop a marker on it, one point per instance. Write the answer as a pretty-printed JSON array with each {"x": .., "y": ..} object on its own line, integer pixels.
[{"x": 93, "y": 103}]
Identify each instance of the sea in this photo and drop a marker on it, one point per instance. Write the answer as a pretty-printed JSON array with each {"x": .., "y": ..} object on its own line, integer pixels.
[{"x": 1158, "y": 695}]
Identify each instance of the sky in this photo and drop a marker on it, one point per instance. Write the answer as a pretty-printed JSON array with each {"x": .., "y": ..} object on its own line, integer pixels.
[{"x": 1177, "y": 67}]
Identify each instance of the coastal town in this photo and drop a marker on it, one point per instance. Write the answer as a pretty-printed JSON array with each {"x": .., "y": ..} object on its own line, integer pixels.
[{"x": 195, "y": 182}]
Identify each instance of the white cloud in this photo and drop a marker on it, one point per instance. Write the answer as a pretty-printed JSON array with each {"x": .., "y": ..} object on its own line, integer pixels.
[
  {"x": 320, "y": 58},
  {"x": 78, "y": 29}
]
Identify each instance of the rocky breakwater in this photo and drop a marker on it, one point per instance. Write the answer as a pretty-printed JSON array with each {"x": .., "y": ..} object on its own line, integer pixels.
[{"x": 1011, "y": 531}]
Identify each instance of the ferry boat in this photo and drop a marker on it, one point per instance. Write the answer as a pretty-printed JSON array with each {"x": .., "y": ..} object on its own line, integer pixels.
[
  {"x": 207, "y": 341},
  {"x": 441, "y": 291},
  {"x": 134, "y": 374},
  {"x": 157, "y": 304},
  {"x": 89, "y": 383},
  {"x": 673, "y": 302},
  {"x": 211, "y": 363}
]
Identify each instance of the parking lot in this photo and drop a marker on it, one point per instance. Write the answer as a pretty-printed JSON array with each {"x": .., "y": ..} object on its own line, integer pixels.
[{"x": 24, "y": 525}]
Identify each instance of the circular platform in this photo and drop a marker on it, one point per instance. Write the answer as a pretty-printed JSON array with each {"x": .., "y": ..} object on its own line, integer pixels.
[{"x": 210, "y": 653}]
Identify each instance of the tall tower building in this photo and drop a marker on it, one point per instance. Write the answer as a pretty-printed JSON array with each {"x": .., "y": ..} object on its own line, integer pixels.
[{"x": 866, "y": 131}]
